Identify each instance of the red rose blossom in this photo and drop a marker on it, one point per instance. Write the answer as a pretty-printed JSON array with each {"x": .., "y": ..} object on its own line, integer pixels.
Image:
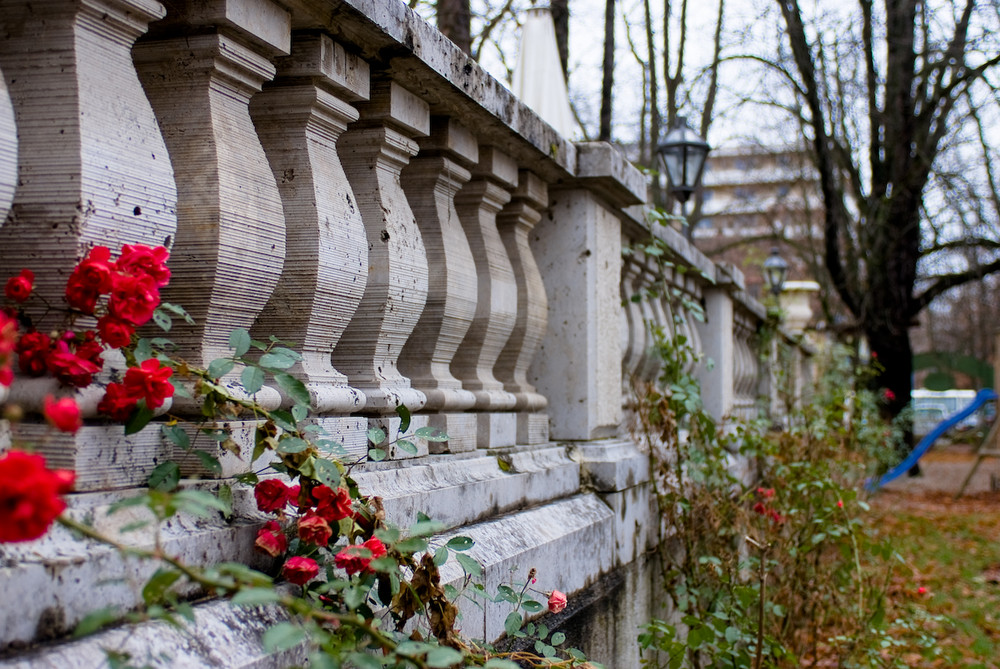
[
  {"x": 63, "y": 414},
  {"x": 314, "y": 529},
  {"x": 300, "y": 570},
  {"x": 271, "y": 495},
  {"x": 29, "y": 496},
  {"x": 557, "y": 601},
  {"x": 137, "y": 259},
  {"x": 32, "y": 350},
  {"x": 332, "y": 504},
  {"x": 6, "y": 376},
  {"x": 19, "y": 287},
  {"x": 95, "y": 270},
  {"x": 117, "y": 403},
  {"x": 69, "y": 367},
  {"x": 358, "y": 559},
  {"x": 90, "y": 349},
  {"x": 271, "y": 539},
  {"x": 115, "y": 332},
  {"x": 149, "y": 381},
  {"x": 133, "y": 298}
]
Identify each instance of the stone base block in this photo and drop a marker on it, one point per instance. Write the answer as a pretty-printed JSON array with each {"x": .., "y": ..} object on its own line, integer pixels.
[
  {"x": 461, "y": 431},
  {"x": 496, "y": 430},
  {"x": 532, "y": 428},
  {"x": 242, "y": 432},
  {"x": 102, "y": 456}
]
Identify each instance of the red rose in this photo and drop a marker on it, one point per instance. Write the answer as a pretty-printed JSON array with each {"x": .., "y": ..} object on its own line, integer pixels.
[
  {"x": 357, "y": 559},
  {"x": 557, "y": 601},
  {"x": 63, "y": 414},
  {"x": 300, "y": 570},
  {"x": 8, "y": 335},
  {"x": 29, "y": 496},
  {"x": 142, "y": 260},
  {"x": 332, "y": 505},
  {"x": 271, "y": 539},
  {"x": 117, "y": 402},
  {"x": 90, "y": 349},
  {"x": 115, "y": 332},
  {"x": 19, "y": 287},
  {"x": 888, "y": 395},
  {"x": 95, "y": 270},
  {"x": 81, "y": 297},
  {"x": 271, "y": 495},
  {"x": 70, "y": 368},
  {"x": 133, "y": 298},
  {"x": 32, "y": 350},
  {"x": 149, "y": 381},
  {"x": 6, "y": 376},
  {"x": 314, "y": 529}
]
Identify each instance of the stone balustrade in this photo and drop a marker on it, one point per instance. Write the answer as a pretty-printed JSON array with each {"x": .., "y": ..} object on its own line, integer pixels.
[{"x": 337, "y": 174}]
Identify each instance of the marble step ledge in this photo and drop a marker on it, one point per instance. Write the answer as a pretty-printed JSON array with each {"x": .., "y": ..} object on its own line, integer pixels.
[
  {"x": 461, "y": 490},
  {"x": 59, "y": 579}
]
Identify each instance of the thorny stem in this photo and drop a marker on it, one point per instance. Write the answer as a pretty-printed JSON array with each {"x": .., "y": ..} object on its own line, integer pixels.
[{"x": 762, "y": 577}]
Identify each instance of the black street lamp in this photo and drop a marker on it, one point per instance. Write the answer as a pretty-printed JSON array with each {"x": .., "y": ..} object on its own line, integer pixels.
[
  {"x": 775, "y": 271},
  {"x": 683, "y": 154}
]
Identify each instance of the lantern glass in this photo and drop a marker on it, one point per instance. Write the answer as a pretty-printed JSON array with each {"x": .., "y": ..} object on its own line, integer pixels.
[
  {"x": 683, "y": 154},
  {"x": 775, "y": 271}
]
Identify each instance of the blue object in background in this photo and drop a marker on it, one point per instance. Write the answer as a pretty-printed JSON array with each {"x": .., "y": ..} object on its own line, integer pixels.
[{"x": 982, "y": 397}]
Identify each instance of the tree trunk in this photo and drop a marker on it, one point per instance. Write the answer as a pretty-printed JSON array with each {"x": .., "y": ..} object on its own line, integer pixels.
[
  {"x": 609, "y": 70},
  {"x": 560, "y": 17},
  {"x": 454, "y": 20}
]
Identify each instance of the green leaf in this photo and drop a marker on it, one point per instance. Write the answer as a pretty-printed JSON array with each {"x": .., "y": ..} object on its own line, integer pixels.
[
  {"x": 163, "y": 320},
  {"x": 177, "y": 434},
  {"x": 208, "y": 461},
  {"x": 239, "y": 341},
  {"x": 157, "y": 585},
  {"x": 469, "y": 564},
  {"x": 460, "y": 543},
  {"x": 440, "y": 556},
  {"x": 364, "y": 661},
  {"x": 531, "y": 606},
  {"x": 143, "y": 350},
  {"x": 226, "y": 495},
  {"x": 139, "y": 419},
  {"x": 291, "y": 445},
  {"x": 557, "y": 639},
  {"x": 220, "y": 367},
  {"x": 327, "y": 473},
  {"x": 497, "y": 663},
  {"x": 430, "y": 434},
  {"x": 294, "y": 388},
  {"x": 283, "y": 636},
  {"x": 255, "y": 597},
  {"x": 412, "y": 545},
  {"x": 376, "y": 435},
  {"x": 96, "y": 620},
  {"x": 178, "y": 311},
  {"x": 407, "y": 446},
  {"x": 284, "y": 419},
  {"x": 252, "y": 379},
  {"x": 376, "y": 455},
  {"x": 165, "y": 476},
  {"x": 404, "y": 418},
  {"x": 513, "y": 623},
  {"x": 299, "y": 413},
  {"x": 443, "y": 657},
  {"x": 276, "y": 361},
  {"x": 200, "y": 503}
]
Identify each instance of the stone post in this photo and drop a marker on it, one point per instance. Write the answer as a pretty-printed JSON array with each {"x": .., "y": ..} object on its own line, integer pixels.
[
  {"x": 717, "y": 334},
  {"x": 578, "y": 250},
  {"x": 478, "y": 204},
  {"x": 431, "y": 182}
]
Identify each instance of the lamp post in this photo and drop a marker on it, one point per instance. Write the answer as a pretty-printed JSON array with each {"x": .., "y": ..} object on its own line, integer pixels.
[
  {"x": 683, "y": 154},
  {"x": 775, "y": 271}
]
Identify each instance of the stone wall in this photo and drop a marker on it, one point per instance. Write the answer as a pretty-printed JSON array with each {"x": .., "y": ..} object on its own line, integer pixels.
[{"x": 338, "y": 174}]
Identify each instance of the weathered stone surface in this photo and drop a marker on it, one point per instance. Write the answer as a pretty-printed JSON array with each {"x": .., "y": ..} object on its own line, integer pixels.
[
  {"x": 374, "y": 152},
  {"x": 230, "y": 243},
  {"x": 299, "y": 121},
  {"x": 85, "y": 131}
]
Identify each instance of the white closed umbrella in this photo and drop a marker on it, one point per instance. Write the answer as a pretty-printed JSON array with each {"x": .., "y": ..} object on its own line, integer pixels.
[{"x": 538, "y": 76}]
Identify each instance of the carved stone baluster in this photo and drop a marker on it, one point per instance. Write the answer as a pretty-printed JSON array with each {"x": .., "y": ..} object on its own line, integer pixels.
[
  {"x": 431, "y": 181},
  {"x": 654, "y": 315},
  {"x": 374, "y": 152},
  {"x": 496, "y": 311},
  {"x": 299, "y": 118},
  {"x": 634, "y": 343},
  {"x": 91, "y": 169},
  {"x": 200, "y": 67},
  {"x": 8, "y": 152},
  {"x": 515, "y": 223}
]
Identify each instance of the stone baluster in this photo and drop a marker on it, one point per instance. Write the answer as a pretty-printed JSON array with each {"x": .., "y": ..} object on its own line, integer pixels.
[
  {"x": 431, "y": 182},
  {"x": 200, "y": 67},
  {"x": 92, "y": 169},
  {"x": 93, "y": 166},
  {"x": 515, "y": 223},
  {"x": 374, "y": 152},
  {"x": 299, "y": 119},
  {"x": 634, "y": 338},
  {"x": 478, "y": 204},
  {"x": 8, "y": 151},
  {"x": 655, "y": 314}
]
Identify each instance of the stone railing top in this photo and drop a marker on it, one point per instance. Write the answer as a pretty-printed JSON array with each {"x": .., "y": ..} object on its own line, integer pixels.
[
  {"x": 395, "y": 40},
  {"x": 636, "y": 227},
  {"x": 602, "y": 167}
]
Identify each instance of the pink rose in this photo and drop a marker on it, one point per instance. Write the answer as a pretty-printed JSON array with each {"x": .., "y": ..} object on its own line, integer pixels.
[{"x": 557, "y": 601}]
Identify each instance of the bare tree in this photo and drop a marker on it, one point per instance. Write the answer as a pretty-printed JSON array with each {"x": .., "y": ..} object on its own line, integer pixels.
[{"x": 607, "y": 71}]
